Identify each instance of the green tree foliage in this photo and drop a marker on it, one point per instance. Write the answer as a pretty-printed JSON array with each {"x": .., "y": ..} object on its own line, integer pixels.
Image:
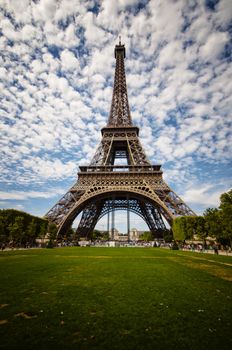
[
  {"x": 52, "y": 234},
  {"x": 52, "y": 231},
  {"x": 183, "y": 228},
  {"x": 3, "y": 234},
  {"x": 43, "y": 230},
  {"x": 178, "y": 228},
  {"x": 98, "y": 235},
  {"x": 16, "y": 231},
  {"x": 105, "y": 236},
  {"x": 19, "y": 228},
  {"x": 146, "y": 236},
  {"x": 219, "y": 221},
  {"x": 213, "y": 221},
  {"x": 70, "y": 234},
  {"x": 226, "y": 216},
  {"x": 31, "y": 232},
  {"x": 226, "y": 203},
  {"x": 216, "y": 223},
  {"x": 201, "y": 228},
  {"x": 168, "y": 236}
]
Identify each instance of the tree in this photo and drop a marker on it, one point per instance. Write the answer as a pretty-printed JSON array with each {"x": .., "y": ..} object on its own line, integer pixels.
[
  {"x": 99, "y": 235},
  {"x": 31, "y": 232},
  {"x": 146, "y": 236},
  {"x": 179, "y": 228},
  {"x": 219, "y": 222},
  {"x": 185, "y": 227},
  {"x": 3, "y": 233},
  {"x": 20, "y": 227},
  {"x": 201, "y": 228},
  {"x": 52, "y": 230},
  {"x": 191, "y": 226},
  {"x": 213, "y": 221},
  {"x": 168, "y": 237},
  {"x": 43, "y": 230},
  {"x": 105, "y": 236},
  {"x": 16, "y": 231},
  {"x": 52, "y": 234},
  {"x": 69, "y": 234},
  {"x": 226, "y": 217},
  {"x": 226, "y": 203}
]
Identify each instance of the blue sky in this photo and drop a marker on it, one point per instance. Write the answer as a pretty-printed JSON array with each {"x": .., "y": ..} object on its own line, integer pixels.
[{"x": 56, "y": 74}]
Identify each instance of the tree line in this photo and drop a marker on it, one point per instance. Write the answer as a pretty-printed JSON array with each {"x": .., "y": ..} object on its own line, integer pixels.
[
  {"x": 215, "y": 223},
  {"x": 20, "y": 229}
]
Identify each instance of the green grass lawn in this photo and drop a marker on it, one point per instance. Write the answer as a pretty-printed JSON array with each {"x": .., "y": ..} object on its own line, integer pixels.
[{"x": 115, "y": 298}]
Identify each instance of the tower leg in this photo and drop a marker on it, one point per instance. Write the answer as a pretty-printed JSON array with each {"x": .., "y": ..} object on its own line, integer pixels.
[
  {"x": 153, "y": 219},
  {"x": 89, "y": 219}
]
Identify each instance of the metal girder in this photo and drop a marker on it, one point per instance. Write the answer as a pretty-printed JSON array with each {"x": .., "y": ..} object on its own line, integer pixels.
[
  {"x": 58, "y": 212},
  {"x": 130, "y": 149},
  {"x": 137, "y": 153},
  {"x": 176, "y": 205},
  {"x": 89, "y": 218},
  {"x": 121, "y": 204},
  {"x": 153, "y": 219}
]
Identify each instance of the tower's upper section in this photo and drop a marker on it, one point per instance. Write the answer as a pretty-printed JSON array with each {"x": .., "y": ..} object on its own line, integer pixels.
[{"x": 120, "y": 111}]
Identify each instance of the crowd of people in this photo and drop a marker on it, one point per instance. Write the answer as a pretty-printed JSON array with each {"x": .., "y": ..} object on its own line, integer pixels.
[
  {"x": 207, "y": 248},
  {"x": 194, "y": 247}
]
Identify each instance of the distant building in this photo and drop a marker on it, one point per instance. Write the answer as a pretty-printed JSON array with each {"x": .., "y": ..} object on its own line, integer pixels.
[
  {"x": 117, "y": 236},
  {"x": 134, "y": 235}
]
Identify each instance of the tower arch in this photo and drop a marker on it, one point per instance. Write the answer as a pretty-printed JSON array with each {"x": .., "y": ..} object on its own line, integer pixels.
[{"x": 102, "y": 194}]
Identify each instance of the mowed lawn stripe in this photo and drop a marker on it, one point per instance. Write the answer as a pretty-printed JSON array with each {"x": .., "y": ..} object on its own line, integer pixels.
[{"x": 113, "y": 298}]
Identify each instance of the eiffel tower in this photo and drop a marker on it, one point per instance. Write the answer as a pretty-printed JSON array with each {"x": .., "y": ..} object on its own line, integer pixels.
[{"x": 135, "y": 185}]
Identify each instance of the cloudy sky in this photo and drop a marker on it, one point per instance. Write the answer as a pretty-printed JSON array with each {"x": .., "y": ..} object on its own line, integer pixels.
[{"x": 56, "y": 75}]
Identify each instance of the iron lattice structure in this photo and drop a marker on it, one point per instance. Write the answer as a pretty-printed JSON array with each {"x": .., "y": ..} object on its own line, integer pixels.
[{"x": 104, "y": 187}]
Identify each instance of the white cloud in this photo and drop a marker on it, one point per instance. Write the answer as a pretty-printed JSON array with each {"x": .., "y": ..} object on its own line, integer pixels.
[
  {"x": 8, "y": 30},
  {"x": 171, "y": 54},
  {"x": 204, "y": 195},
  {"x": 38, "y": 66},
  {"x": 166, "y": 19},
  {"x": 214, "y": 45},
  {"x": 28, "y": 32},
  {"x": 44, "y": 10},
  {"x": 51, "y": 63},
  {"x": 8, "y": 205},
  {"x": 93, "y": 34},
  {"x": 53, "y": 169},
  {"x": 224, "y": 12},
  {"x": 19, "y": 9},
  {"x": 57, "y": 83},
  {"x": 21, "y": 195},
  {"x": 200, "y": 28},
  {"x": 69, "y": 61}
]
